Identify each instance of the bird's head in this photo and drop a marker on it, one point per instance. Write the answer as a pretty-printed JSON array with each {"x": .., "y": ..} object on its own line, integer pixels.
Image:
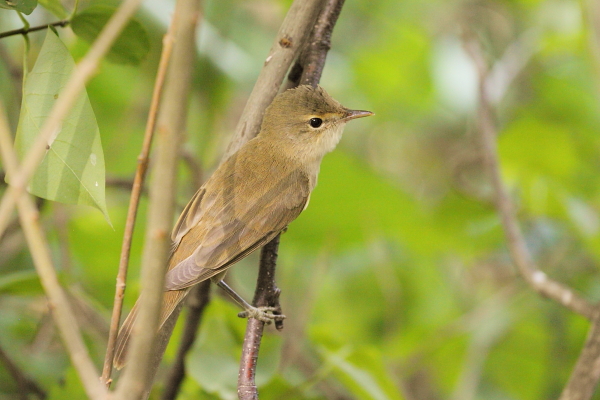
[{"x": 308, "y": 119}]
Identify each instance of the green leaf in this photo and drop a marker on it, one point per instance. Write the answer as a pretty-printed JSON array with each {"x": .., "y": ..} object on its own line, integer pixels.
[
  {"x": 362, "y": 382},
  {"x": 21, "y": 283},
  {"x": 23, "y": 6},
  {"x": 132, "y": 45},
  {"x": 72, "y": 171},
  {"x": 55, "y": 7}
]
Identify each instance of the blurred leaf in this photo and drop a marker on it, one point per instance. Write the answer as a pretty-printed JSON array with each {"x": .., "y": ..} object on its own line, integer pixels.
[
  {"x": 132, "y": 45},
  {"x": 402, "y": 57},
  {"x": 69, "y": 388},
  {"x": 352, "y": 204},
  {"x": 73, "y": 170},
  {"x": 55, "y": 7},
  {"x": 533, "y": 147},
  {"x": 530, "y": 336},
  {"x": 23, "y": 283},
  {"x": 23, "y": 6},
  {"x": 364, "y": 380}
]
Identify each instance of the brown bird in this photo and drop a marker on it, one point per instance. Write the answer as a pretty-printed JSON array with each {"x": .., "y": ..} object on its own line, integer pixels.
[{"x": 250, "y": 198}]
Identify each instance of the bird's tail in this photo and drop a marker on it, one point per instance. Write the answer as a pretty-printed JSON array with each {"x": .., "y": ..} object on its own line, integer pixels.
[
  {"x": 123, "y": 338},
  {"x": 170, "y": 302}
]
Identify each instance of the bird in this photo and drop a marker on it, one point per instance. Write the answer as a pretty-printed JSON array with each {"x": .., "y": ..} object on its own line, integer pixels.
[{"x": 249, "y": 199}]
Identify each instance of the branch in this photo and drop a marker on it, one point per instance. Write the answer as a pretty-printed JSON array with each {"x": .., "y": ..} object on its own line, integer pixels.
[
  {"x": 586, "y": 373},
  {"x": 134, "y": 200},
  {"x": 83, "y": 72},
  {"x": 267, "y": 293},
  {"x": 197, "y": 301},
  {"x": 146, "y": 348},
  {"x": 287, "y": 45},
  {"x": 58, "y": 302},
  {"x": 25, "y": 31},
  {"x": 537, "y": 279},
  {"x": 313, "y": 57}
]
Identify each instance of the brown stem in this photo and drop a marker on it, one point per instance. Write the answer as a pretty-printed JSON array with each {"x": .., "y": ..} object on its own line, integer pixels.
[
  {"x": 197, "y": 301},
  {"x": 586, "y": 373},
  {"x": 290, "y": 39},
  {"x": 314, "y": 55},
  {"x": 134, "y": 200},
  {"x": 147, "y": 347},
  {"x": 25, "y": 31},
  {"x": 25, "y": 384},
  {"x": 267, "y": 294}
]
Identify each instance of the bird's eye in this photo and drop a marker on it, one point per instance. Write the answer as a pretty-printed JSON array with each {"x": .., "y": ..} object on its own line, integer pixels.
[{"x": 315, "y": 122}]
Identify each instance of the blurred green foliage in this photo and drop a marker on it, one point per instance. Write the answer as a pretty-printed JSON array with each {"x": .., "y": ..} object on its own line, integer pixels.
[{"x": 396, "y": 280}]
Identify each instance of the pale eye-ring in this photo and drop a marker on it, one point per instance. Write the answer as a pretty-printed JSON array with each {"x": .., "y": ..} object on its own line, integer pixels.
[{"x": 315, "y": 122}]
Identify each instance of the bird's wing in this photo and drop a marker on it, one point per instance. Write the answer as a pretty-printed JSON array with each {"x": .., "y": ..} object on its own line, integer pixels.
[{"x": 226, "y": 232}]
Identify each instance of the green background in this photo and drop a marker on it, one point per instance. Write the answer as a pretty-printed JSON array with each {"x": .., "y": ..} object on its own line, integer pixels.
[{"x": 396, "y": 280}]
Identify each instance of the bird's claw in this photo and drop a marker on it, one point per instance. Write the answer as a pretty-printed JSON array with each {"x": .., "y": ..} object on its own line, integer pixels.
[{"x": 264, "y": 314}]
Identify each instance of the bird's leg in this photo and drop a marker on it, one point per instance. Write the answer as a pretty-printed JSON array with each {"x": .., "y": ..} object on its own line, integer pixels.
[{"x": 264, "y": 314}]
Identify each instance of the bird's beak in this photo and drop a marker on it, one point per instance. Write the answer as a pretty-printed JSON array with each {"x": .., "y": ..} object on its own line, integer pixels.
[{"x": 352, "y": 114}]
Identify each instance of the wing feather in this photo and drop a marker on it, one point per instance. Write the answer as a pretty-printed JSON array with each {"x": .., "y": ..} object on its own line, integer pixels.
[{"x": 229, "y": 230}]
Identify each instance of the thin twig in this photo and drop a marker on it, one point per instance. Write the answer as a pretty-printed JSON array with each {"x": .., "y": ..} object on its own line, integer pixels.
[
  {"x": 58, "y": 302},
  {"x": 25, "y": 31},
  {"x": 197, "y": 301},
  {"x": 146, "y": 348},
  {"x": 267, "y": 293},
  {"x": 537, "y": 279},
  {"x": 83, "y": 72},
  {"x": 134, "y": 200},
  {"x": 25, "y": 384}
]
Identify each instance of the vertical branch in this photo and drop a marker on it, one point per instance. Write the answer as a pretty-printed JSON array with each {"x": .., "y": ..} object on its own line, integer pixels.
[
  {"x": 58, "y": 302},
  {"x": 313, "y": 57},
  {"x": 134, "y": 201},
  {"x": 266, "y": 294},
  {"x": 311, "y": 63},
  {"x": 146, "y": 351}
]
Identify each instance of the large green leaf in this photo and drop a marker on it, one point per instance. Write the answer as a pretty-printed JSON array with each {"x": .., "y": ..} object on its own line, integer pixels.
[
  {"x": 55, "y": 7},
  {"x": 72, "y": 171},
  {"x": 132, "y": 45},
  {"x": 23, "y": 6}
]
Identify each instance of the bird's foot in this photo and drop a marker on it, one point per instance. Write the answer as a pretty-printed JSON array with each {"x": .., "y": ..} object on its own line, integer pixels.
[{"x": 264, "y": 314}]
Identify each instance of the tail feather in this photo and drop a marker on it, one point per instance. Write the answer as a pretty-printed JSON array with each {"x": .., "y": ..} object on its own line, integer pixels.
[
  {"x": 170, "y": 302},
  {"x": 123, "y": 338}
]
